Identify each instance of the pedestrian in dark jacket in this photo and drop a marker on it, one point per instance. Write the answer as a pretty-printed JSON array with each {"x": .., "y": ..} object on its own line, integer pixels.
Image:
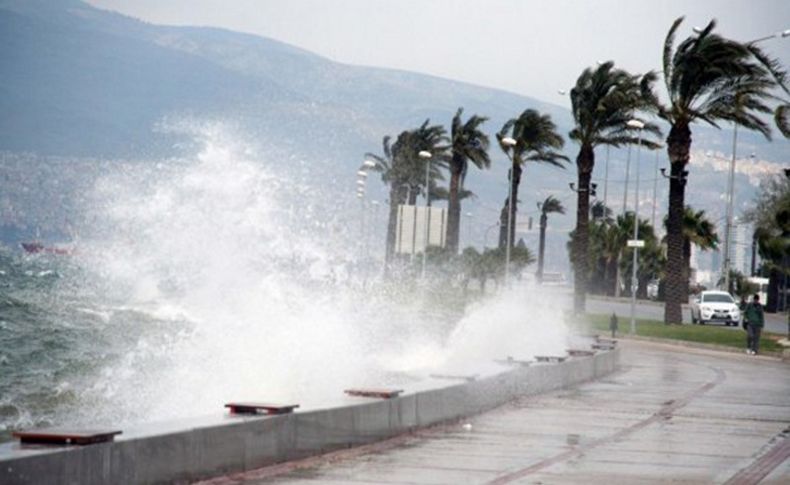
[{"x": 754, "y": 320}]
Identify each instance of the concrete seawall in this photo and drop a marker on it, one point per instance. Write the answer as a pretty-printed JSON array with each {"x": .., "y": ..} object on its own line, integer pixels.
[{"x": 192, "y": 449}]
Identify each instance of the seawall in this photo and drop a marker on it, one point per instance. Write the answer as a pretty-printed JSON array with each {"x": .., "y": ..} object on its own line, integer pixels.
[{"x": 192, "y": 449}]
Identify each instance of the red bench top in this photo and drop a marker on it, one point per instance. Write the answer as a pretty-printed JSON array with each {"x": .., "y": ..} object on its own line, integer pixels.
[
  {"x": 380, "y": 393},
  {"x": 580, "y": 352},
  {"x": 255, "y": 407},
  {"x": 468, "y": 378},
  {"x": 66, "y": 436},
  {"x": 549, "y": 358}
]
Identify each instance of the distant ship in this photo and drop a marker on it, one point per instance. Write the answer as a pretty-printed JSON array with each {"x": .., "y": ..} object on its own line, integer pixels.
[{"x": 36, "y": 247}]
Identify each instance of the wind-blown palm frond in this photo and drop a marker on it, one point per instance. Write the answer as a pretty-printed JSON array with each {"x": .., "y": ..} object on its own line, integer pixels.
[
  {"x": 669, "y": 43},
  {"x": 782, "y": 119},
  {"x": 550, "y": 205},
  {"x": 536, "y": 139}
]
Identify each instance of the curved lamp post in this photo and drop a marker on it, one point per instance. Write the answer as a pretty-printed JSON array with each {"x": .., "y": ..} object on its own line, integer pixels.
[
  {"x": 638, "y": 125},
  {"x": 426, "y": 155},
  {"x": 509, "y": 143}
]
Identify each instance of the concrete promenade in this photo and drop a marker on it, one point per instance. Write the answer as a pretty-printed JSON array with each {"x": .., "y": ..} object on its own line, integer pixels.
[{"x": 668, "y": 415}]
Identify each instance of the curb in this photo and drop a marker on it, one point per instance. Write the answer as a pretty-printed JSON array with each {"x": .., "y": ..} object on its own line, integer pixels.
[
  {"x": 781, "y": 356},
  {"x": 639, "y": 301}
]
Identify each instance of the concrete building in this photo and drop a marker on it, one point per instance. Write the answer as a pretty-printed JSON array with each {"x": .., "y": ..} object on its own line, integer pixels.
[{"x": 740, "y": 247}]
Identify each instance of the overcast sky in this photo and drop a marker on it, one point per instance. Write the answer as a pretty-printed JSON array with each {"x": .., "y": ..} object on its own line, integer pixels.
[{"x": 531, "y": 47}]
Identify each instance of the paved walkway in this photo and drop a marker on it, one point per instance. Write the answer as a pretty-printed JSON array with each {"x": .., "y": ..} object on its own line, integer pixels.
[{"x": 669, "y": 415}]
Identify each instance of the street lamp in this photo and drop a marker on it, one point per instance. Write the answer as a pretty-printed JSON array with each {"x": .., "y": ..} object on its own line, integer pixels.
[
  {"x": 606, "y": 178},
  {"x": 509, "y": 143},
  {"x": 426, "y": 155},
  {"x": 468, "y": 228},
  {"x": 627, "y": 177},
  {"x": 635, "y": 124},
  {"x": 729, "y": 217}
]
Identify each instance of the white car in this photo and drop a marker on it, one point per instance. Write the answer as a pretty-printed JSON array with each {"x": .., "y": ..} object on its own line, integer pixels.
[{"x": 715, "y": 306}]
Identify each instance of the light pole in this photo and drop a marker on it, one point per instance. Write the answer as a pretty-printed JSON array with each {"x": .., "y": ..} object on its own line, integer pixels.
[
  {"x": 655, "y": 189},
  {"x": 606, "y": 179},
  {"x": 426, "y": 155},
  {"x": 730, "y": 198},
  {"x": 627, "y": 176},
  {"x": 362, "y": 177},
  {"x": 468, "y": 228},
  {"x": 634, "y": 282},
  {"x": 509, "y": 143}
]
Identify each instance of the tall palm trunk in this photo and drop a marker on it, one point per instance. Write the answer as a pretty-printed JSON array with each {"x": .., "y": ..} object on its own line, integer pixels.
[
  {"x": 397, "y": 196},
  {"x": 412, "y": 193},
  {"x": 584, "y": 164},
  {"x": 678, "y": 146},
  {"x": 515, "y": 180},
  {"x": 686, "y": 266},
  {"x": 542, "y": 246},
  {"x": 454, "y": 206}
]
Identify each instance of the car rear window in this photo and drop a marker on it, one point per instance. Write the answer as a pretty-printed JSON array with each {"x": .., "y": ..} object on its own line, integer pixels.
[{"x": 717, "y": 298}]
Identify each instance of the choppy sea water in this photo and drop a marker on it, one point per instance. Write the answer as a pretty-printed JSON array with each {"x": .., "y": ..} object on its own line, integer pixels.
[
  {"x": 221, "y": 277},
  {"x": 58, "y": 339}
]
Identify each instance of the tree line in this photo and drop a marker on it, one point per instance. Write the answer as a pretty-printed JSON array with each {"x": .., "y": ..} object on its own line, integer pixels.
[{"x": 707, "y": 78}]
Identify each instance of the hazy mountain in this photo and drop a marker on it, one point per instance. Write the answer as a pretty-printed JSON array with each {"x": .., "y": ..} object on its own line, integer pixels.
[{"x": 82, "y": 82}]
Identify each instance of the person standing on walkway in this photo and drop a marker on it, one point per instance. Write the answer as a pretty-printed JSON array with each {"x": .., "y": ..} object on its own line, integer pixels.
[{"x": 754, "y": 320}]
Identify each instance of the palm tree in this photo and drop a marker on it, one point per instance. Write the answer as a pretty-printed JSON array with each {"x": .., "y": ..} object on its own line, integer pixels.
[
  {"x": 603, "y": 101},
  {"x": 404, "y": 171},
  {"x": 708, "y": 78},
  {"x": 467, "y": 143},
  {"x": 548, "y": 206},
  {"x": 536, "y": 141}
]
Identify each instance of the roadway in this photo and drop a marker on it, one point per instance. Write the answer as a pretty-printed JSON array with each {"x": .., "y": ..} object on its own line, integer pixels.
[
  {"x": 774, "y": 322},
  {"x": 668, "y": 415}
]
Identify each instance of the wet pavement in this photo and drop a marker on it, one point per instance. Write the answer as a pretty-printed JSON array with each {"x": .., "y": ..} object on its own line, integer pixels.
[{"x": 668, "y": 415}]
